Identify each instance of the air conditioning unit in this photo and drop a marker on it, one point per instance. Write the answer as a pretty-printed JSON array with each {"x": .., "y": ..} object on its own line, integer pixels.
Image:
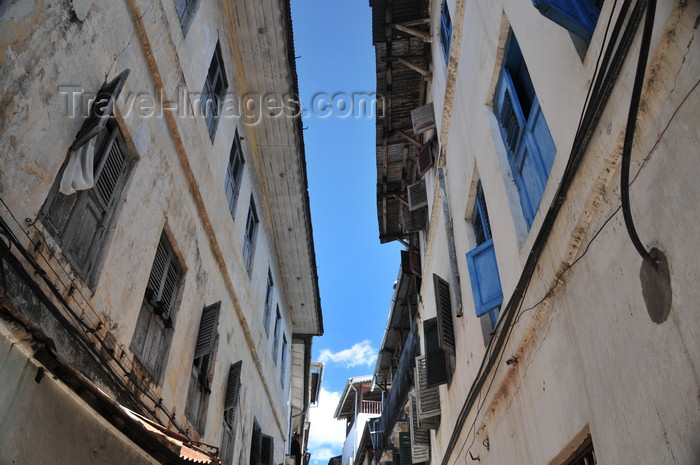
[{"x": 290, "y": 461}]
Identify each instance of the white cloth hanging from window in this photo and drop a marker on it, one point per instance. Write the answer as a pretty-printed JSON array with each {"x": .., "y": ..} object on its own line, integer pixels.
[{"x": 79, "y": 172}]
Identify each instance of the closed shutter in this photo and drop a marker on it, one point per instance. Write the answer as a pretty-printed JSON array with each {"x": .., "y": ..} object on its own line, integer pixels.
[
  {"x": 417, "y": 195},
  {"x": 420, "y": 437},
  {"x": 414, "y": 221},
  {"x": 437, "y": 362},
  {"x": 267, "y": 450},
  {"x": 427, "y": 398},
  {"x": 578, "y": 16},
  {"x": 232, "y": 388},
  {"x": 484, "y": 277},
  {"x": 101, "y": 110},
  {"x": 405, "y": 449},
  {"x": 443, "y": 305},
  {"x": 425, "y": 158},
  {"x": 423, "y": 118},
  {"x": 207, "y": 330}
]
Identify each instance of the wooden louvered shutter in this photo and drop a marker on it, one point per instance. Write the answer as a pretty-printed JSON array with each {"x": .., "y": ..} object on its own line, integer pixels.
[
  {"x": 110, "y": 170},
  {"x": 163, "y": 280},
  {"x": 425, "y": 158},
  {"x": 443, "y": 305},
  {"x": 207, "y": 330},
  {"x": 405, "y": 449},
  {"x": 420, "y": 437},
  {"x": 233, "y": 386},
  {"x": 437, "y": 361},
  {"x": 428, "y": 398},
  {"x": 101, "y": 110},
  {"x": 423, "y": 118},
  {"x": 414, "y": 221},
  {"x": 267, "y": 449},
  {"x": 417, "y": 195}
]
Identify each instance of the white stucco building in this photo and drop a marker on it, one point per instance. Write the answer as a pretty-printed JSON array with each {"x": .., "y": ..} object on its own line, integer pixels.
[
  {"x": 500, "y": 159},
  {"x": 159, "y": 285}
]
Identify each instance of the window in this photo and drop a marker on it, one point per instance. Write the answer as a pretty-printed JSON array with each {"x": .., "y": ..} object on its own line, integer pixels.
[
  {"x": 268, "y": 303},
  {"x": 283, "y": 362},
  {"x": 578, "y": 16},
  {"x": 251, "y": 232},
  {"x": 213, "y": 92},
  {"x": 185, "y": 12},
  {"x": 80, "y": 221},
  {"x": 427, "y": 397},
  {"x": 233, "y": 386},
  {"x": 276, "y": 341},
  {"x": 261, "y": 447},
  {"x": 234, "y": 174},
  {"x": 154, "y": 327},
  {"x": 439, "y": 336},
  {"x": 445, "y": 30},
  {"x": 525, "y": 133},
  {"x": 584, "y": 454},
  {"x": 481, "y": 262},
  {"x": 201, "y": 367}
]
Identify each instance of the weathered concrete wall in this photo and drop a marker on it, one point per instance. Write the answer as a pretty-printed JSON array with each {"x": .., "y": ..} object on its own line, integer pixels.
[
  {"x": 590, "y": 359},
  {"x": 43, "y": 421},
  {"x": 176, "y": 184}
]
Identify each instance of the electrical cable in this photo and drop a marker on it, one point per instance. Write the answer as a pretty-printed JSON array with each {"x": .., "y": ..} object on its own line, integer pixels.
[
  {"x": 82, "y": 338},
  {"x": 629, "y": 133},
  {"x": 615, "y": 51}
]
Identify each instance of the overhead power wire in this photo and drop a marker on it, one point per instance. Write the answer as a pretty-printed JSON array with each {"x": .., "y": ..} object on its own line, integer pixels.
[
  {"x": 615, "y": 52},
  {"x": 629, "y": 132}
]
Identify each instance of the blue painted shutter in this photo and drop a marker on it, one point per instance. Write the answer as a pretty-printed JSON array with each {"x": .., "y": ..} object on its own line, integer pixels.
[
  {"x": 485, "y": 280},
  {"x": 529, "y": 144},
  {"x": 578, "y": 16}
]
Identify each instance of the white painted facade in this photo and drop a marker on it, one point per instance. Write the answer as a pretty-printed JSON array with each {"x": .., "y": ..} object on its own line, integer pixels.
[
  {"x": 176, "y": 186},
  {"x": 584, "y": 357}
]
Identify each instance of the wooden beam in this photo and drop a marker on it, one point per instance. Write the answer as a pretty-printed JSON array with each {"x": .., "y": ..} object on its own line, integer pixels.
[
  {"x": 409, "y": 138},
  {"x": 426, "y": 74},
  {"x": 414, "y": 32},
  {"x": 414, "y": 22}
]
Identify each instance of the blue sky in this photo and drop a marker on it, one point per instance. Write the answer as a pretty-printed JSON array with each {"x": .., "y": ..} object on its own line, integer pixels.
[{"x": 334, "y": 44}]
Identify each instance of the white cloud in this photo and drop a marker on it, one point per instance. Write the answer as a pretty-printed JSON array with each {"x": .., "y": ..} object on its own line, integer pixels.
[
  {"x": 361, "y": 353},
  {"x": 326, "y": 434}
]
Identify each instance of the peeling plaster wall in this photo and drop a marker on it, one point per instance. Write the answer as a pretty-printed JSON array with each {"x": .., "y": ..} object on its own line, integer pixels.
[
  {"x": 42, "y": 421},
  {"x": 48, "y": 44},
  {"x": 590, "y": 359}
]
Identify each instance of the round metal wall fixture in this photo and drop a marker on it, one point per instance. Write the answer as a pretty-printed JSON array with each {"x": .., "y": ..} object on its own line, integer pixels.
[{"x": 656, "y": 286}]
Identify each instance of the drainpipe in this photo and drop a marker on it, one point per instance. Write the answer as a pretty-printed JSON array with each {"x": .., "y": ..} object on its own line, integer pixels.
[{"x": 454, "y": 272}]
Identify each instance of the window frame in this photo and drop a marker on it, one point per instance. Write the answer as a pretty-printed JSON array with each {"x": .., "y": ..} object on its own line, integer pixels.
[
  {"x": 64, "y": 216},
  {"x": 202, "y": 367},
  {"x": 186, "y": 15},
  {"x": 267, "y": 308},
  {"x": 155, "y": 325},
  {"x": 231, "y": 397},
  {"x": 250, "y": 235},
  {"x": 580, "y": 17},
  {"x": 445, "y": 30},
  {"x": 483, "y": 257},
  {"x": 283, "y": 359},
  {"x": 234, "y": 174},
  {"x": 214, "y": 79},
  {"x": 530, "y": 148},
  {"x": 276, "y": 335}
]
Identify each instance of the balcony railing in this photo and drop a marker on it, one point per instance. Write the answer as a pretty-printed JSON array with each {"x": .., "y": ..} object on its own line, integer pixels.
[
  {"x": 403, "y": 380},
  {"x": 371, "y": 406}
]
